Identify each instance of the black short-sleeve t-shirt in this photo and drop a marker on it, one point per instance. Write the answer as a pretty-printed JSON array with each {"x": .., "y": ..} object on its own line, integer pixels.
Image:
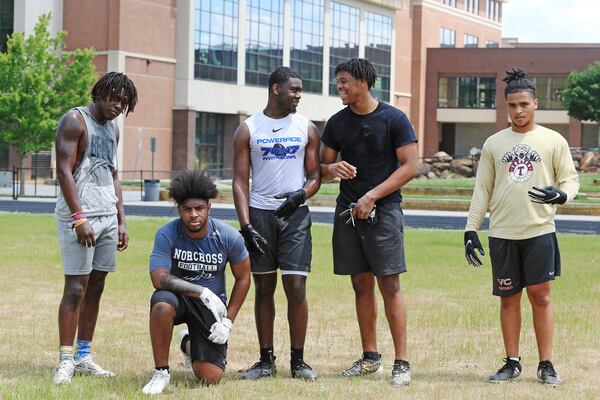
[{"x": 368, "y": 142}]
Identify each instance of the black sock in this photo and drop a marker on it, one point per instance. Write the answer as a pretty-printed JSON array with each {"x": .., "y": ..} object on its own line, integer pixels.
[
  {"x": 398, "y": 361},
  {"x": 371, "y": 355},
  {"x": 266, "y": 355},
  {"x": 162, "y": 368},
  {"x": 296, "y": 356},
  {"x": 184, "y": 343}
]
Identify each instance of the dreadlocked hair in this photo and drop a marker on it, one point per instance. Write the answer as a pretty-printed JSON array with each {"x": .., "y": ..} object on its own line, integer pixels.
[
  {"x": 359, "y": 68},
  {"x": 116, "y": 85},
  {"x": 192, "y": 184},
  {"x": 281, "y": 75},
  {"x": 516, "y": 81}
]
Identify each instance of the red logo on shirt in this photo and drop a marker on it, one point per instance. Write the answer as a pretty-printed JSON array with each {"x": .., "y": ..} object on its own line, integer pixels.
[{"x": 520, "y": 162}]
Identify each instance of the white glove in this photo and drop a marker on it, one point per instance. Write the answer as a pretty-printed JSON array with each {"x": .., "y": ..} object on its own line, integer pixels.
[
  {"x": 220, "y": 331},
  {"x": 213, "y": 303}
]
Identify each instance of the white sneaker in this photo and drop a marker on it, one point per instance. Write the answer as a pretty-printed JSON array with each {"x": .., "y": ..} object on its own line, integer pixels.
[
  {"x": 63, "y": 372},
  {"x": 187, "y": 361},
  {"x": 87, "y": 366},
  {"x": 158, "y": 383}
]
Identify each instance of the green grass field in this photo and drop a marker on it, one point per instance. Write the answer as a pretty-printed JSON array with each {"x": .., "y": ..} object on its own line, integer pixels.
[{"x": 454, "y": 335}]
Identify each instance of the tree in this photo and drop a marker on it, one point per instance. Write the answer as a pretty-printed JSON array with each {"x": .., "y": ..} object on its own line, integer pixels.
[
  {"x": 581, "y": 95},
  {"x": 38, "y": 83}
]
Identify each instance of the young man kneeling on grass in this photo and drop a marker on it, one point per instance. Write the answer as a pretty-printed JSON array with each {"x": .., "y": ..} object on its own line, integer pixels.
[{"x": 187, "y": 268}]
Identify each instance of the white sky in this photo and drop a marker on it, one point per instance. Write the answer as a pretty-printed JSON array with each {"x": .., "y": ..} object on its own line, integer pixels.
[{"x": 552, "y": 21}]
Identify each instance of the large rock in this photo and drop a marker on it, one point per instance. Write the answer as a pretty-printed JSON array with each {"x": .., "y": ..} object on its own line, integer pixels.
[
  {"x": 440, "y": 166},
  {"x": 423, "y": 169},
  {"x": 588, "y": 160},
  {"x": 432, "y": 175},
  {"x": 442, "y": 156},
  {"x": 458, "y": 167}
]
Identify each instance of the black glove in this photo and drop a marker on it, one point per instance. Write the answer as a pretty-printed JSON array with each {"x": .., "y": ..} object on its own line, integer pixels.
[
  {"x": 548, "y": 195},
  {"x": 253, "y": 240},
  {"x": 291, "y": 204},
  {"x": 471, "y": 243}
]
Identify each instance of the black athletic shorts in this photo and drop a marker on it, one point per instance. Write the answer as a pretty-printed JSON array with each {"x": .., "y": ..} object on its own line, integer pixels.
[
  {"x": 365, "y": 247},
  {"x": 289, "y": 241},
  {"x": 199, "y": 319},
  {"x": 520, "y": 263}
]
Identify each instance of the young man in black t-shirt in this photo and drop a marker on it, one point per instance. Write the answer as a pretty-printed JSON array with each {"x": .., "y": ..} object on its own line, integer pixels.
[{"x": 378, "y": 149}]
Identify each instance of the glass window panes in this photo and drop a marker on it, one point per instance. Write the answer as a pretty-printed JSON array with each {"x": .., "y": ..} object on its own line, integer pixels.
[
  {"x": 344, "y": 38},
  {"x": 447, "y": 37},
  {"x": 467, "y": 92},
  {"x": 549, "y": 91},
  {"x": 378, "y": 50},
  {"x": 215, "y": 40},
  {"x": 490, "y": 43},
  {"x": 470, "y": 40},
  {"x": 306, "y": 56},
  {"x": 264, "y": 40},
  {"x": 6, "y": 21},
  {"x": 451, "y": 3},
  {"x": 472, "y": 6},
  {"x": 209, "y": 142}
]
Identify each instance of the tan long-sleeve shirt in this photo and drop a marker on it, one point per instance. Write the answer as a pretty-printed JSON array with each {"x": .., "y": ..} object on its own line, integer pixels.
[{"x": 511, "y": 164}]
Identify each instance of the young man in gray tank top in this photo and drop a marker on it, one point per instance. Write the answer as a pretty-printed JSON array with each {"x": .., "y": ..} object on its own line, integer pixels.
[
  {"x": 90, "y": 217},
  {"x": 282, "y": 150}
]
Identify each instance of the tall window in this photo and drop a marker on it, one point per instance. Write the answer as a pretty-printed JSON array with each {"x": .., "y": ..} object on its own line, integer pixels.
[
  {"x": 493, "y": 10},
  {"x": 216, "y": 40},
  {"x": 344, "y": 38},
  {"x": 264, "y": 40},
  {"x": 447, "y": 37},
  {"x": 209, "y": 141},
  {"x": 307, "y": 43},
  {"x": 451, "y": 3},
  {"x": 471, "y": 41},
  {"x": 549, "y": 91},
  {"x": 467, "y": 92},
  {"x": 378, "y": 50},
  {"x": 6, "y": 21},
  {"x": 472, "y": 6}
]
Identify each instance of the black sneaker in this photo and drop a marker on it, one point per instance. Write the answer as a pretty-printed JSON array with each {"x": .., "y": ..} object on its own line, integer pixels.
[
  {"x": 304, "y": 371},
  {"x": 511, "y": 370},
  {"x": 261, "y": 370},
  {"x": 546, "y": 374}
]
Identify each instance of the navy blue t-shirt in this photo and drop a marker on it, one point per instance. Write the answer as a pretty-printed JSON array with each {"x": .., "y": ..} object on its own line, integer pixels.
[
  {"x": 368, "y": 142},
  {"x": 198, "y": 261}
]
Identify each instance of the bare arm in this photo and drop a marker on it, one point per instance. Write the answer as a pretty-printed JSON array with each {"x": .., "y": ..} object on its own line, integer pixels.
[
  {"x": 311, "y": 162},
  {"x": 241, "y": 173},
  {"x": 162, "y": 279},
  {"x": 241, "y": 274},
  {"x": 408, "y": 158},
  {"x": 69, "y": 132},
  {"x": 331, "y": 169},
  {"x": 122, "y": 229}
]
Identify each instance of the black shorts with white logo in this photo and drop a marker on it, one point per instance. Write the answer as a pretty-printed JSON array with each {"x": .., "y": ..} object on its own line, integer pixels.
[
  {"x": 366, "y": 247},
  {"x": 199, "y": 319},
  {"x": 520, "y": 263},
  {"x": 289, "y": 241}
]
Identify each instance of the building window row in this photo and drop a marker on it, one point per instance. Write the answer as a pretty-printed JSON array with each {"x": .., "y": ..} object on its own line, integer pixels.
[
  {"x": 467, "y": 92},
  {"x": 447, "y": 37},
  {"x": 472, "y": 6},
  {"x": 216, "y": 41},
  {"x": 451, "y": 3},
  {"x": 549, "y": 91},
  {"x": 491, "y": 43},
  {"x": 493, "y": 10},
  {"x": 6, "y": 21},
  {"x": 471, "y": 41}
]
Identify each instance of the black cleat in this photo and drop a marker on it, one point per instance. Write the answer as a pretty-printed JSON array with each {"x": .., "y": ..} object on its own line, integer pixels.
[
  {"x": 261, "y": 370},
  {"x": 304, "y": 371},
  {"x": 510, "y": 371},
  {"x": 546, "y": 374}
]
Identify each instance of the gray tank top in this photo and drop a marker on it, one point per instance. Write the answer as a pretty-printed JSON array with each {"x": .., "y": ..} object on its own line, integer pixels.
[{"x": 93, "y": 176}]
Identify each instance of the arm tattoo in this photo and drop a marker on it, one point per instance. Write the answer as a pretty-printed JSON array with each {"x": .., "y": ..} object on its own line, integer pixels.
[{"x": 178, "y": 285}]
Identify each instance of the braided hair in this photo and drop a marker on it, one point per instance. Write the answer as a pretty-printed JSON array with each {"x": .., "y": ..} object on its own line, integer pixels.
[
  {"x": 359, "y": 68},
  {"x": 516, "y": 81},
  {"x": 116, "y": 84},
  {"x": 192, "y": 184}
]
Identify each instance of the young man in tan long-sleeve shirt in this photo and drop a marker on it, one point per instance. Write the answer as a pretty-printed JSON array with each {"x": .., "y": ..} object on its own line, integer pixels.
[{"x": 525, "y": 171}]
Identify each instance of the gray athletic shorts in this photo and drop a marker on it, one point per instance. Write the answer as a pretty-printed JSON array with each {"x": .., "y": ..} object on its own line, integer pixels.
[
  {"x": 520, "y": 263},
  {"x": 80, "y": 260},
  {"x": 377, "y": 248},
  {"x": 290, "y": 242}
]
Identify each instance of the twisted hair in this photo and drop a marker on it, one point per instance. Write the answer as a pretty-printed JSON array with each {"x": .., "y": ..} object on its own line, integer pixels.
[
  {"x": 360, "y": 69},
  {"x": 516, "y": 81},
  {"x": 116, "y": 85},
  {"x": 192, "y": 184},
  {"x": 281, "y": 75}
]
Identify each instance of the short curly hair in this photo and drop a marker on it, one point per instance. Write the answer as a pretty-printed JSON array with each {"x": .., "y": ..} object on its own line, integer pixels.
[{"x": 192, "y": 184}]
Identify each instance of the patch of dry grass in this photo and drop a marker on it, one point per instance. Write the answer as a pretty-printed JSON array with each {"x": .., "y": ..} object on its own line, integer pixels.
[{"x": 454, "y": 336}]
